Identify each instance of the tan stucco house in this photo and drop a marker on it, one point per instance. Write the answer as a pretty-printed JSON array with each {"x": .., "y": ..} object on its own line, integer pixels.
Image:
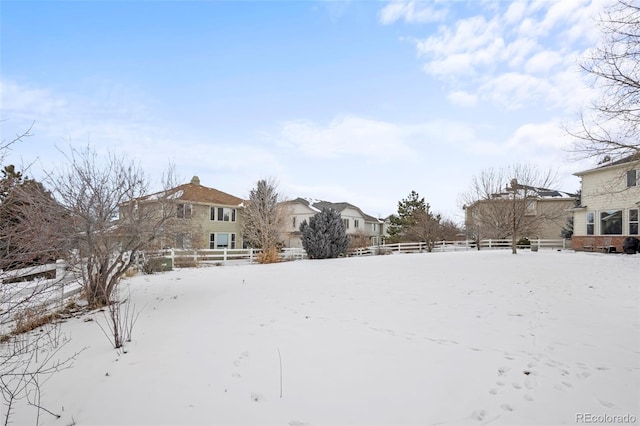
[
  {"x": 545, "y": 213},
  {"x": 205, "y": 218},
  {"x": 608, "y": 211}
]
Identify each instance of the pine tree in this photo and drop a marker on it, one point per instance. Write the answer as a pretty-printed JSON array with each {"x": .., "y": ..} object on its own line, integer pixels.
[
  {"x": 31, "y": 222},
  {"x": 406, "y": 217},
  {"x": 325, "y": 236}
]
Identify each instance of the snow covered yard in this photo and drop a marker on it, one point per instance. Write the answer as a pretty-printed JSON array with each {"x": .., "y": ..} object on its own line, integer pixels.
[{"x": 440, "y": 338}]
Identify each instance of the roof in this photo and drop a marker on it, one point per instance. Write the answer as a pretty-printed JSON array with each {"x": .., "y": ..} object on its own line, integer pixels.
[
  {"x": 606, "y": 164},
  {"x": 536, "y": 192},
  {"x": 196, "y": 193},
  {"x": 318, "y": 205}
]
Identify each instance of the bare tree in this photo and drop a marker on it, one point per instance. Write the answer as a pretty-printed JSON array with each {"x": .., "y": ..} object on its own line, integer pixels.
[
  {"x": 32, "y": 232},
  {"x": 264, "y": 219},
  {"x": 613, "y": 128},
  {"x": 424, "y": 226},
  {"x": 112, "y": 221},
  {"x": 504, "y": 203}
]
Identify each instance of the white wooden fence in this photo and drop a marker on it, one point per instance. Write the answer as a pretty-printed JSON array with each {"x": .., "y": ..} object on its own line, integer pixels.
[
  {"x": 184, "y": 257},
  {"x": 27, "y": 289},
  {"x": 441, "y": 246}
]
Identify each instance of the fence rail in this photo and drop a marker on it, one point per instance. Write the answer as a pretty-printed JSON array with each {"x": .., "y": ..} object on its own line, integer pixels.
[
  {"x": 184, "y": 257},
  {"x": 31, "y": 290}
]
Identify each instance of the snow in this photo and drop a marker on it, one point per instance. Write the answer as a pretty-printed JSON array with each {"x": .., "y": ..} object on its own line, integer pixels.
[{"x": 431, "y": 339}]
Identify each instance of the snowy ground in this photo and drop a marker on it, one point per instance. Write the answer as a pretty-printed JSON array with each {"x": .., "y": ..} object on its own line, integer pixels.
[{"x": 431, "y": 339}]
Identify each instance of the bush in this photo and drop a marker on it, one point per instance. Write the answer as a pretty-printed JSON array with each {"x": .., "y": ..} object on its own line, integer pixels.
[
  {"x": 524, "y": 241},
  {"x": 271, "y": 255},
  {"x": 325, "y": 236},
  {"x": 156, "y": 264}
]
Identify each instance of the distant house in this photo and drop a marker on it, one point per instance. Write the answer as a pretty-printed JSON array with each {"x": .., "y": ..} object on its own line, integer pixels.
[
  {"x": 608, "y": 211},
  {"x": 546, "y": 212},
  {"x": 358, "y": 224},
  {"x": 204, "y": 217}
]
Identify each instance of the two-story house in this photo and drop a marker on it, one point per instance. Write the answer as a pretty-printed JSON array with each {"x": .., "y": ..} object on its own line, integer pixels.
[
  {"x": 609, "y": 203},
  {"x": 357, "y": 223},
  {"x": 539, "y": 213},
  {"x": 204, "y": 217}
]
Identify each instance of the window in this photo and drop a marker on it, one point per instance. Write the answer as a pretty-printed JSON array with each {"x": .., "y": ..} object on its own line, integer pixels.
[
  {"x": 226, "y": 214},
  {"x": 183, "y": 241},
  {"x": 611, "y": 222},
  {"x": 212, "y": 215},
  {"x": 633, "y": 221},
  {"x": 632, "y": 178},
  {"x": 184, "y": 211},
  {"x": 531, "y": 208},
  {"x": 212, "y": 241},
  {"x": 293, "y": 222},
  {"x": 227, "y": 241},
  {"x": 374, "y": 227},
  {"x": 356, "y": 223},
  {"x": 591, "y": 221},
  {"x": 346, "y": 223}
]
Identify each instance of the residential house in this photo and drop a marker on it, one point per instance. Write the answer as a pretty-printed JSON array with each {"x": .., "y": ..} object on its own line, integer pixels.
[
  {"x": 357, "y": 223},
  {"x": 609, "y": 202},
  {"x": 544, "y": 213},
  {"x": 205, "y": 217}
]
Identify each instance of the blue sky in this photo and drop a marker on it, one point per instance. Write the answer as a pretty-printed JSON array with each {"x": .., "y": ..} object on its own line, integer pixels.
[{"x": 357, "y": 101}]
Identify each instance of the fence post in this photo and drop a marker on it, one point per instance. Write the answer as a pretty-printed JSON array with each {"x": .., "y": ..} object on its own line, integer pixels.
[
  {"x": 61, "y": 270},
  {"x": 250, "y": 254},
  {"x": 195, "y": 257},
  {"x": 173, "y": 258},
  {"x": 224, "y": 256}
]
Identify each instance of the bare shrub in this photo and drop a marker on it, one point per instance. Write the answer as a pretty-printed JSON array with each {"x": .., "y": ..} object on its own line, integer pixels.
[
  {"x": 359, "y": 239},
  {"x": 271, "y": 255},
  {"x": 120, "y": 317}
]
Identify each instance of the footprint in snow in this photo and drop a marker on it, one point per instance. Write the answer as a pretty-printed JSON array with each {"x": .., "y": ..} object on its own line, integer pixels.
[
  {"x": 478, "y": 415},
  {"x": 607, "y": 404},
  {"x": 257, "y": 397}
]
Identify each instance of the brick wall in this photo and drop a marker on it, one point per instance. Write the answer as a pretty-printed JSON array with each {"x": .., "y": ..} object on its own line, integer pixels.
[{"x": 578, "y": 242}]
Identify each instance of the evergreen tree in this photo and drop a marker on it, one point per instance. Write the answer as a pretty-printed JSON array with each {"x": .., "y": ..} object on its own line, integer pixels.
[
  {"x": 406, "y": 218},
  {"x": 31, "y": 222},
  {"x": 325, "y": 236}
]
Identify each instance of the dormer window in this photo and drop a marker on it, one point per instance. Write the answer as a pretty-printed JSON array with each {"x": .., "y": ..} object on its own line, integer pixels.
[{"x": 184, "y": 211}]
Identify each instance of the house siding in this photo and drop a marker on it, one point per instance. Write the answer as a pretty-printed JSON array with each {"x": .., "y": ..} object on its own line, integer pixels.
[
  {"x": 605, "y": 189},
  {"x": 301, "y": 211}
]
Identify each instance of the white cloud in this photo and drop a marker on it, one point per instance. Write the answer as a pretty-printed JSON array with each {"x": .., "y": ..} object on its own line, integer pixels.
[
  {"x": 111, "y": 120},
  {"x": 410, "y": 12},
  {"x": 543, "y": 62},
  {"x": 462, "y": 98},
  {"x": 16, "y": 100},
  {"x": 536, "y": 137},
  {"x": 514, "y": 90},
  {"x": 512, "y": 55},
  {"x": 351, "y": 136},
  {"x": 515, "y": 12}
]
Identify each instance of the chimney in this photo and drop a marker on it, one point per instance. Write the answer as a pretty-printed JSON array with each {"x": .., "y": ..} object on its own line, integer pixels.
[{"x": 195, "y": 180}]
